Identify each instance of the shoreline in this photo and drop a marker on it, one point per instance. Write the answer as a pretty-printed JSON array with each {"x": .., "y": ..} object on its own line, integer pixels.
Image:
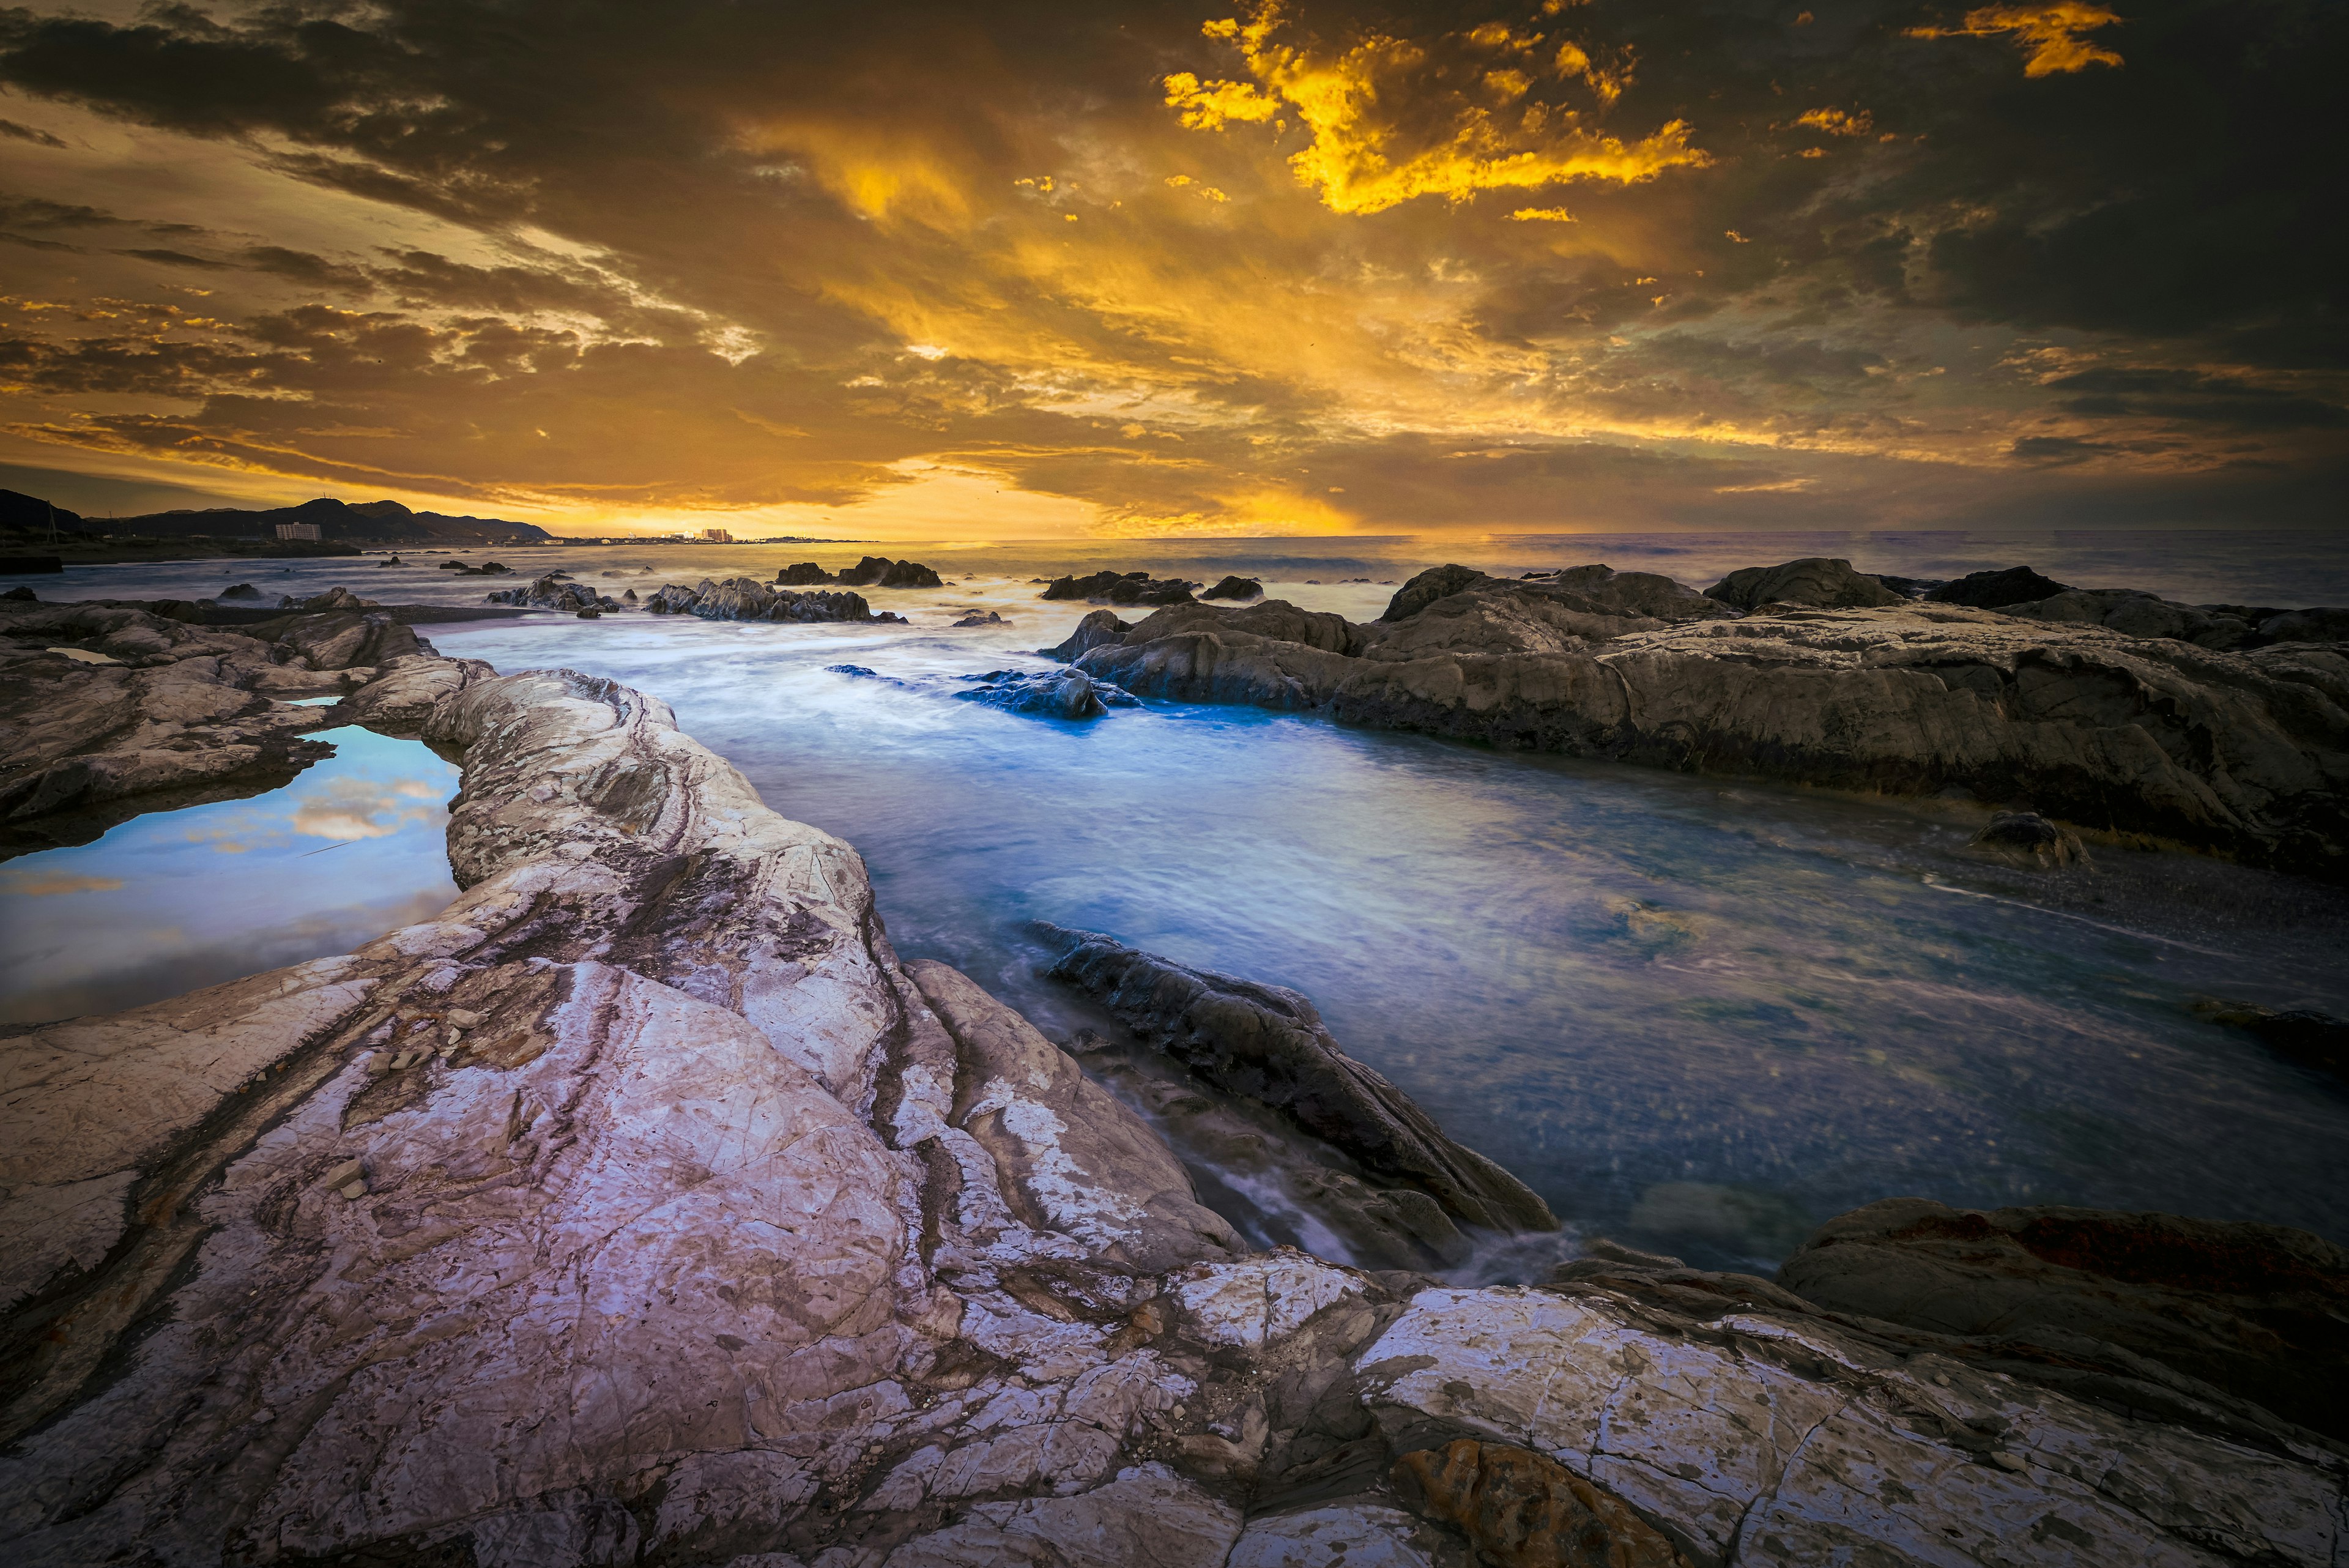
[{"x": 639, "y": 943}]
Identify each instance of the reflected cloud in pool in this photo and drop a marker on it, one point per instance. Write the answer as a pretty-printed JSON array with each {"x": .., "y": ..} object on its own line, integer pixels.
[{"x": 353, "y": 847}]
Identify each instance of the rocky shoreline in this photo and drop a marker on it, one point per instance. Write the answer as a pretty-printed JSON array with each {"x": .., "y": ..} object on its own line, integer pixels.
[
  {"x": 2143, "y": 736},
  {"x": 645, "y": 1206}
]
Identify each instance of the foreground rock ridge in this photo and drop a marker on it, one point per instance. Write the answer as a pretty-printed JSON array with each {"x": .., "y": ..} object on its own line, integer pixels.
[
  {"x": 643, "y": 1206},
  {"x": 2144, "y": 737}
]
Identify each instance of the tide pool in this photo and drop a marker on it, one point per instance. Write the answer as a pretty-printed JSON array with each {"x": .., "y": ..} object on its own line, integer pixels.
[{"x": 353, "y": 847}]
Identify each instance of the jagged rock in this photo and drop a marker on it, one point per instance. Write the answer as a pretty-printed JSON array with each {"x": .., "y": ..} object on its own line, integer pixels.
[
  {"x": 741, "y": 598},
  {"x": 1233, "y": 588},
  {"x": 1100, "y": 628},
  {"x": 1815, "y": 581},
  {"x": 551, "y": 592},
  {"x": 2027, "y": 839},
  {"x": 1267, "y": 1044},
  {"x": 1121, "y": 588},
  {"x": 1520, "y": 1509},
  {"x": 880, "y": 572},
  {"x": 1757, "y": 1431},
  {"x": 241, "y": 591},
  {"x": 1434, "y": 584},
  {"x": 338, "y": 599},
  {"x": 1996, "y": 590},
  {"x": 806, "y": 574},
  {"x": 1081, "y": 1163},
  {"x": 1052, "y": 694},
  {"x": 2316, "y": 1039},
  {"x": 2257, "y": 1311},
  {"x": 1602, "y": 590},
  {"x": 982, "y": 617}
]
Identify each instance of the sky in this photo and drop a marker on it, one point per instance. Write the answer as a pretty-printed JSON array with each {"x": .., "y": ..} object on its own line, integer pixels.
[{"x": 1035, "y": 270}]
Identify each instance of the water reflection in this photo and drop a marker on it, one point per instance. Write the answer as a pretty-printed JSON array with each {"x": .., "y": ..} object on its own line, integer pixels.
[{"x": 353, "y": 847}]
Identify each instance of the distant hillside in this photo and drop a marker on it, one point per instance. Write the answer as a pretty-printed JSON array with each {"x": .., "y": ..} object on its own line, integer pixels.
[
  {"x": 340, "y": 522},
  {"x": 368, "y": 523}
]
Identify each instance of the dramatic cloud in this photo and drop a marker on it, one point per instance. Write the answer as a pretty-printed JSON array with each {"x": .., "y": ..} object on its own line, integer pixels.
[{"x": 1163, "y": 268}]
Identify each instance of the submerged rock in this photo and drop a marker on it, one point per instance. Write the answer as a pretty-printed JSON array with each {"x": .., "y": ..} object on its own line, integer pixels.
[
  {"x": 2027, "y": 839},
  {"x": 2311, "y": 1039},
  {"x": 1269, "y": 1044},
  {"x": 1816, "y": 581},
  {"x": 1233, "y": 588},
  {"x": 982, "y": 617},
  {"x": 1050, "y": 693},
  {"x": 241, "y": 591}
]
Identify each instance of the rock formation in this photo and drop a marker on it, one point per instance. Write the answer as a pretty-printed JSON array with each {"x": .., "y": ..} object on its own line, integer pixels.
[
  {"x": 1121, "y": 588},
  {"x": 551, "y": 592},
  {"x": 1816, "y": 582},
  {"x": 1051, "y": 693},
  {"x": 2246, "y": 753},
  {"x": 1233, "y": 588},
  {"x": 644, "y": 1207},
  {"x": 1267, "y": 1044},
  {"x": 880, "y": 572},
  {"x": 1996, "y": 590},
  {"x": 2028, "y": 839},
  {"x": 742, "y": 598},
  {"x": 2314, "y": 1040},
  {"x": 107, "y": 711}
]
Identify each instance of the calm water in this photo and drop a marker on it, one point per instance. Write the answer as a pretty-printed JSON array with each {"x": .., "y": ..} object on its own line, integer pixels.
[
  {"x": 1692, "y": 1014},
  {"x": 355, "y": 847}
]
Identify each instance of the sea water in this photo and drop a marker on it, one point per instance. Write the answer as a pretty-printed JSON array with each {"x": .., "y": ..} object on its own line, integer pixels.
[{"x": 1695, "y": 1013}]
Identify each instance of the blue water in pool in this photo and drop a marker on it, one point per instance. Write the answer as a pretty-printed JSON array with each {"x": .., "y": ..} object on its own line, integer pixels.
[
  {"x": 1695, "y": 1015},
  {"x": 355, "y": 847}
]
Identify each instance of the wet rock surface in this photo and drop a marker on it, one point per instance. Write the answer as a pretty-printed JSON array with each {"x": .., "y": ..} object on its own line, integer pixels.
[
  {"x": 553, "y": 593},
  {"x": 2026, "y": 838},
  {"x": 742, "y": 598},
  {"x": 2314, "y": 1040},
  {"x": 1121, "y": 588},
  {"x": 1267, "y": 1044},
  {"x": 2145, "y": 738},
  {"x": 1235, "y": 588},
  {"x": 1049, "y": 693},
  {"x": 107, "y": 712},
  {"x": 644, "y": 1207}
]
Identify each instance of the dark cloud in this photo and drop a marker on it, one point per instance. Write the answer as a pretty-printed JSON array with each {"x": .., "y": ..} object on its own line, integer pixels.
[
  {"x": 34, "y": 134},
  {"x": 706, "y": 253}
]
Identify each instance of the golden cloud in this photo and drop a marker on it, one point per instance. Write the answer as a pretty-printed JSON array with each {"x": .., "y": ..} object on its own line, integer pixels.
[
  {"x": 25, "y": 884},
  {"x": 1837, "y": 122},
  {"x": 2051, "y": 33},
  {"x": 1388, "y": 123},
  {"x": 355, "y": 808}
]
